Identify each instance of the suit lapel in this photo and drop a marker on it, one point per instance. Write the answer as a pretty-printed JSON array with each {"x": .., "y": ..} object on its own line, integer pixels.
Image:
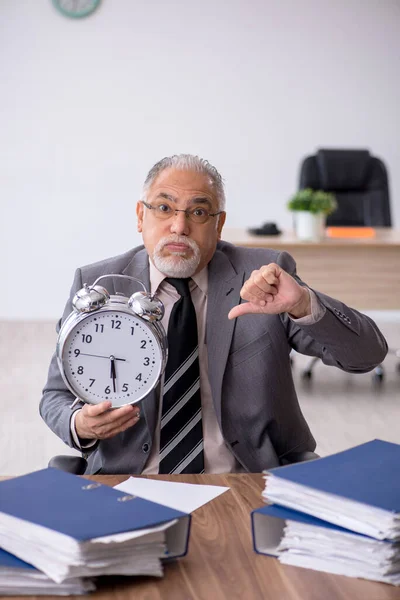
[
  {"x": 224, "y": 285},
  {"x": 138, "y": 267}
]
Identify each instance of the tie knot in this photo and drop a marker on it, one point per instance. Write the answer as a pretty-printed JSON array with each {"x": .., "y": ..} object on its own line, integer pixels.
[{"x": 181, "y": 285}]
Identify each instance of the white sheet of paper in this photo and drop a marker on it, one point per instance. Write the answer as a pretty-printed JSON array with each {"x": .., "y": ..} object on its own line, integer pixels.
[{"x": 186, "y": 497}]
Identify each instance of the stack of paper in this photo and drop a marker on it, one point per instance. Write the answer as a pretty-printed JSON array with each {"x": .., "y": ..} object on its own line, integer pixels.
[
  {"x": 18, "y": 578},
  {"x": 339, "y": 514},
  {"x": 69, "y": 527},
  {"x": 304, "y": 541}
]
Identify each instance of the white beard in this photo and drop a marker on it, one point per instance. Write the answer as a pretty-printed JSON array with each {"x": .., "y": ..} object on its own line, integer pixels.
[{"x": 176, "y": 265}]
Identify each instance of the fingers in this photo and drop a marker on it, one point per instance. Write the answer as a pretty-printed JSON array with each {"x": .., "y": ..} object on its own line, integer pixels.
[
  {"x": 261, "y": 291},
  {"x": 121, "y": 427},
  {"x": 262, "y": 285},
  {"x": 267, "y": 276},
  {"x": 245, "y": 309},
  {"x": 108, "y": 430},
  {"x": 96, "y": 409},
  {"x": 100, "y": 422},
  {"x": 256, "y": 296},
  {"x": 120, "y": 416},
  {"x": 270, "y": 290}
]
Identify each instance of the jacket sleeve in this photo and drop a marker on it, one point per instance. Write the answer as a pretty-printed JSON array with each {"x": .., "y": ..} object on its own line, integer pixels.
[
  {"x": 55, "y": 405},
  {"x": 343, "y": 337}
]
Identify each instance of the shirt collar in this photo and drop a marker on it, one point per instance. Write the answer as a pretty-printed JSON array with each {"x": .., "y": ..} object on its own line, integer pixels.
[{"x": 200, "y": 279}]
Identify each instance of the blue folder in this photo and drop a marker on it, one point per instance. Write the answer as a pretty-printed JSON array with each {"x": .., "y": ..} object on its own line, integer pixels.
[
  {"x": 84, "y": 509},
  {"x": 368, "y": 473},
  {"x": 10, "y": 561}
]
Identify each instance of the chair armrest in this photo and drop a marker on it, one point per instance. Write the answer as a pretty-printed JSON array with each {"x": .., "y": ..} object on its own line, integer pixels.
[
  {"x": 71, "y": 464},
  {"x": 296, "y": 457}
]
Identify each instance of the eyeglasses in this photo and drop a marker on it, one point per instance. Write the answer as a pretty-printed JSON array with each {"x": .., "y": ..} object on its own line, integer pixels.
[{"x": 165, "y": 211}]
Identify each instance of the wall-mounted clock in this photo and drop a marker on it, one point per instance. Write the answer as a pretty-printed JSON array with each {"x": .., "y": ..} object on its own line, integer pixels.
[{"x": 76, "y": 9}]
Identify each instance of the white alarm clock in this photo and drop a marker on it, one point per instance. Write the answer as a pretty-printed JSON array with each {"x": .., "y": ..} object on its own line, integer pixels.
[{"x": 112, "y": 347}]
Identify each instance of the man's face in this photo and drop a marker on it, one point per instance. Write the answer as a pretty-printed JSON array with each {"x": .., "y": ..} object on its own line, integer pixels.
[{"x": 177, "y": 246}]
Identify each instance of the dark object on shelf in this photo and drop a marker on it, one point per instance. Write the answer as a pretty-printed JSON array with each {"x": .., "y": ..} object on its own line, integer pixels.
[{"x": 266, "y": 229}]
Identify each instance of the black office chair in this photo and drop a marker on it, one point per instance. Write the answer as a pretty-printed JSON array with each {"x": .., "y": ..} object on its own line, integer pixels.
[
  {"x": 360, "y": 184},
  {"x": 70, "y": 464}
]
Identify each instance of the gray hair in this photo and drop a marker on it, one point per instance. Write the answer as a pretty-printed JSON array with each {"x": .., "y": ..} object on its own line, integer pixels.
[{"x": 188, "y": 162}]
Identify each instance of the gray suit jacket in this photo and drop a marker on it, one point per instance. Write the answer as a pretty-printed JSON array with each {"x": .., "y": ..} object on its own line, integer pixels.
[{"x": 249, "y": 367}]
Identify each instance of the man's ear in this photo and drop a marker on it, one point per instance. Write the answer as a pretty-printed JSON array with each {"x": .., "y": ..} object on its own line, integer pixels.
[
  {"x": 139, "y": 214},
  {"x": 221, "y": 222}
]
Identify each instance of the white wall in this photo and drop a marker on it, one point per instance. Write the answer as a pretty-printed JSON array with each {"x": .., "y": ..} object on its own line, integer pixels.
[{"x": 253, "y": 85}]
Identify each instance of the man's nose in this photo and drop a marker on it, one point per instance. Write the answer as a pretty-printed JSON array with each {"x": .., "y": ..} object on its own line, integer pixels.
[{"x": 180, "y": 223}]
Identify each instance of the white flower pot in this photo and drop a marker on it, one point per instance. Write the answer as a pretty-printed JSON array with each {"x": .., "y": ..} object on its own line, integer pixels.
[{"x": 309, "y": 226}]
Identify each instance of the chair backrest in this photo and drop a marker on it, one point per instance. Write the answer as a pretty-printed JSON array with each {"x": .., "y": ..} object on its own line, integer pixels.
[{"x": 359, "y": 182}]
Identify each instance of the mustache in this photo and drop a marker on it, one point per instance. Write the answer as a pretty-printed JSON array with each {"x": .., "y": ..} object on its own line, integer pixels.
[{"x": 176, "y": 239}]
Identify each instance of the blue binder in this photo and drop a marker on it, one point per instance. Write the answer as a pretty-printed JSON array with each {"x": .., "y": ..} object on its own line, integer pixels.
[
  {"x": 10, "y": 561},
  {"x": 358, "y": 488},
  {"x": 83, "y": 509},
  {"x": 368, "y": 473}
]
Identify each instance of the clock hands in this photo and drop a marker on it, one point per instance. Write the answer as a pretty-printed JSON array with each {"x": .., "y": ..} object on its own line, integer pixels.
[
  {"x": 113, "y": 373},
  {"x": 99, "y": 356}
]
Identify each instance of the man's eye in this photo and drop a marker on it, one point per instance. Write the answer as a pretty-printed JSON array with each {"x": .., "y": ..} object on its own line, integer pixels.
[
  {"x": 164, "y": 208},
  {"x": 199, "y": 212}
]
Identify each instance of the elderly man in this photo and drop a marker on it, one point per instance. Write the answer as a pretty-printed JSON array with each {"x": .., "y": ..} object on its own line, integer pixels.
[{"x": 234, "y": 408}]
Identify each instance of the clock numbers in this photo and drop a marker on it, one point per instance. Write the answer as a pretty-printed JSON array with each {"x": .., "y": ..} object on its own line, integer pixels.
[{"x": 112, "y": 355}]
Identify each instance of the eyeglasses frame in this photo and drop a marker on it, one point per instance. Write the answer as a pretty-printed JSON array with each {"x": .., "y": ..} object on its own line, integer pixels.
[{"x": 184, "y": 210}]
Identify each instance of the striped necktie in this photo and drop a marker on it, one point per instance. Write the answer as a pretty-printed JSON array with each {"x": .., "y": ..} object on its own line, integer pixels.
[{"x": 181, "y": 435}]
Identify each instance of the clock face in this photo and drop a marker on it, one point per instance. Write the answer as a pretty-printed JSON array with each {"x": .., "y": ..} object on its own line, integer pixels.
[
  {"x": 76, "y": 8},
  {"x": 111, "y": 355}
]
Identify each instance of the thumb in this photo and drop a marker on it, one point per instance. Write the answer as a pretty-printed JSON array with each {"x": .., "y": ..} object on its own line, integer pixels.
[
  {"x": 244, "y": 309},
  {"x": 97, "y": 409}
]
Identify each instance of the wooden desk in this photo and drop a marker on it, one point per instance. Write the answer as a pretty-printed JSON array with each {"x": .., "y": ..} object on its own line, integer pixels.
[
  {"x": 221, "y": 563},
  {"x": 362, "y": 272}
]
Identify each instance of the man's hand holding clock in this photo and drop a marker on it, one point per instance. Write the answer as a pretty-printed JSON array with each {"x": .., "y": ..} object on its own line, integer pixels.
[{"x": 98, "y": 421}]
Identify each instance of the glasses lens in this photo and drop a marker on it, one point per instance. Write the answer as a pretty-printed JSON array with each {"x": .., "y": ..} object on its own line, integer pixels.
[
  {"x": 162, "y": 210},
  {"x": 198, "y": 214}
]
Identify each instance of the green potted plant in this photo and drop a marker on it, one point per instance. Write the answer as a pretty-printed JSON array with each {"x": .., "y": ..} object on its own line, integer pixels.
[{"x": 310, "y": 208}]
